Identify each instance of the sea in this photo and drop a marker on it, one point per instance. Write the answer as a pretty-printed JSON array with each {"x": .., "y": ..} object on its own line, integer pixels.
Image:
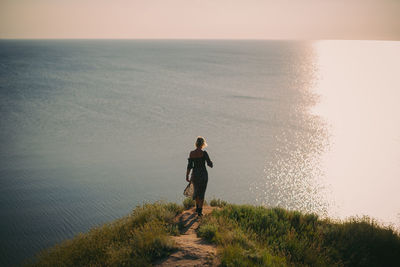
[{"x": 89, "y": 129}]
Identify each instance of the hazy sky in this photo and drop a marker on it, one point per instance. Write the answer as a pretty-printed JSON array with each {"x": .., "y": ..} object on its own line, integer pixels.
[{"x": 236, "y": 19}]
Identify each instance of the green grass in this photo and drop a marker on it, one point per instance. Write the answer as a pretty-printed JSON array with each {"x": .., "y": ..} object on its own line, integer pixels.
[
  {"x": 218, "y": 203},
  {"x": 245, "y": 236},
  {"x": 135, "y": 240},
  {"x": 258, "y": 236},
  {"x": 188, "y": 203}
]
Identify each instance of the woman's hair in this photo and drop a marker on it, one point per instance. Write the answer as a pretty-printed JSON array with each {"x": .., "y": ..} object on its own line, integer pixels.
[{"x": 200, "y": 142}]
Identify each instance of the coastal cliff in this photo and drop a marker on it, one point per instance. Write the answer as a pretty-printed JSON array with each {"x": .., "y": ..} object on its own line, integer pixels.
[{"x": 239, "y": 235}]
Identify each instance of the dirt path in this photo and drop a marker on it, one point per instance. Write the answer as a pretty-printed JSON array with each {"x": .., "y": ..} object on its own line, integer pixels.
[{"x": 192, "y": 251}]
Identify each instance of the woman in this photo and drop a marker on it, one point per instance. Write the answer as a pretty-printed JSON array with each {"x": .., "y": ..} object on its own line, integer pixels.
[{"x": 196, "y": 163}]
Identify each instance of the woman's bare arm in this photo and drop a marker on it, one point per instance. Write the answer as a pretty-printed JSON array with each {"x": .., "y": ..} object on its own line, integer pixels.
[
  {"x": 187, "y": 175},
  {"x": 209, "y": 162},
  {"x": 189, "y": 167}
]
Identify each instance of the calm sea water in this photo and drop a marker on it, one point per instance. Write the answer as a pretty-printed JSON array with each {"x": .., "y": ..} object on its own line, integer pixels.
[{"x": 91, "y": 128}]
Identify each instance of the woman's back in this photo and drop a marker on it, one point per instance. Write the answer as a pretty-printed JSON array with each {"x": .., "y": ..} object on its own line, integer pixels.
[{"x": 197, "y": 160}]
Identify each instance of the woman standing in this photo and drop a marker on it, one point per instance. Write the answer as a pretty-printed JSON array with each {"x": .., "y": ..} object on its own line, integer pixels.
[{"x": 196, "y": 163}]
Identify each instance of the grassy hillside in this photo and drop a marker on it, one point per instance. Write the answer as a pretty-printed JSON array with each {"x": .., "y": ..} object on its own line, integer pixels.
[
  {"x": 245, "y": 236},
  {"x": 135, "y": 240},
  {"x": 258, "y": 236}
]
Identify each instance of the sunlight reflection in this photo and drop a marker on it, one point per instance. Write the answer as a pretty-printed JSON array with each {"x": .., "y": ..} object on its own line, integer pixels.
[
  {"x": 359, "y": 89},
  {"x": 340, "y": 156},
  {"x": 292, "y": 174}
]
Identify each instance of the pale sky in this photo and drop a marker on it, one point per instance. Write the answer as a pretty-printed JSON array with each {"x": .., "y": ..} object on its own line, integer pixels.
[{"x": 209, "y": 19}]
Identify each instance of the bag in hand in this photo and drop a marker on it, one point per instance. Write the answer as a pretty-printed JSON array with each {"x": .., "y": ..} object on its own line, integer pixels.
[{"x": 189, "y": 190}]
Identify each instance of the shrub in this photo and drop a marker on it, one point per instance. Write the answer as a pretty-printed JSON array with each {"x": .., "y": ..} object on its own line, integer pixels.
[
  {"x": 218, "y": 203},
  {"x": 188, "y": 203},
  {"x": 362, "y": 242},
  {"x": 207, "y": 231}
]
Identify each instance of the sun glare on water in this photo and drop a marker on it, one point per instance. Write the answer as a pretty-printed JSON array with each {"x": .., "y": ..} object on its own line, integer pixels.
[{"x": 359, "y": 87}]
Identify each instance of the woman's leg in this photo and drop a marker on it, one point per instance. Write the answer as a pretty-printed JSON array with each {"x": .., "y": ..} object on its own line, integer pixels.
[
  {"x": 200, "y": 209},
  {"x": 202, "y": 192},
  {"x": 200, "y": 189},
  {"x": 201, "y": 201}
]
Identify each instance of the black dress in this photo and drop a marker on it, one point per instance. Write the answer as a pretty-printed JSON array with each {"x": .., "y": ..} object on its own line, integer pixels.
[{"x": 199, "y": 174}]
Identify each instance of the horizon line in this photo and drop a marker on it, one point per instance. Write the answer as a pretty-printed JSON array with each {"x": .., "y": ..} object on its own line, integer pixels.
[{"x": 205, "y": 39}]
